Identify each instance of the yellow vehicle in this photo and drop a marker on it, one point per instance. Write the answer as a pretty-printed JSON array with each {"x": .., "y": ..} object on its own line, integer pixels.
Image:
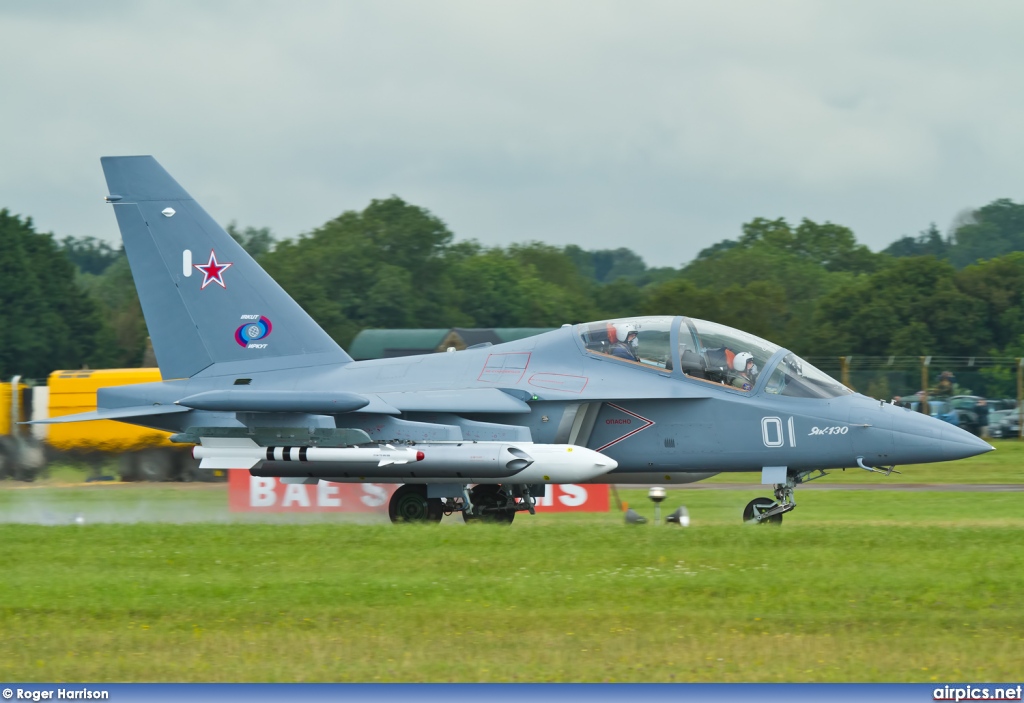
[
  {"x": 20, "y": 457},
  {"x": 143, "y": 454}
]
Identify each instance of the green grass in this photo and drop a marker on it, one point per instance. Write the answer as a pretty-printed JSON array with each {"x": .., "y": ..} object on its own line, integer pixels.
[
  {"x": 47, "y": 504},
  {"x": 855, "y": 586}
]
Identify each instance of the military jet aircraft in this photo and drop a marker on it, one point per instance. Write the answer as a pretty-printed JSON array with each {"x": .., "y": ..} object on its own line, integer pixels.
[{"x": 255, "y": 383}]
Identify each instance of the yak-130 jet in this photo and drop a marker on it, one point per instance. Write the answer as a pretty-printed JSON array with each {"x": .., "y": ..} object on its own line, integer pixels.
[{"x": 253, "y": 382}]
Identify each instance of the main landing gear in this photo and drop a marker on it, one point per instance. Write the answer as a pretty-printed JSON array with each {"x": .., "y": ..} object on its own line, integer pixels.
[
  {"x": 488, "y": 503},
  {"x": 410, "y": 504},
  {"x": 765, "y": 511}
]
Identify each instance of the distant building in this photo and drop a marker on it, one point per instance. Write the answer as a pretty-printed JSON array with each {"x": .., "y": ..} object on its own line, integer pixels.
[{"x": 386, "y": 344}]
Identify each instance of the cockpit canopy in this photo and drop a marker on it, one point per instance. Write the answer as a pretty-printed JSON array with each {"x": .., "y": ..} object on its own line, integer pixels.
[
  {"x": 795, "y": 377},
  {"x": 714, "y": 352},
  {"x": 708, "y": 352},
  {"x": 641, "y": 340}
]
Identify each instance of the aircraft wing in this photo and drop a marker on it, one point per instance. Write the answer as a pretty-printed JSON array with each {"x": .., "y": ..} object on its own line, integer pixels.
[
  {"x": 472, "y": 400},
  {"x": 320, "y": 402},
  {"x": 477, "y": 400},
  {"x": 112, "y": 414},
  {"x": 480, "y": 400}
]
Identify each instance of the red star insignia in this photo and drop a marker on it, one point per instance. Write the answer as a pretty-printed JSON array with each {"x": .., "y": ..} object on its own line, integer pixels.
[{"x": 213, "y": 271}]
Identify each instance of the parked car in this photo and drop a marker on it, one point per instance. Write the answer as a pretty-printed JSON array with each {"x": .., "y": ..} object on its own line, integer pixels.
[
  {"x": 966, "y": 408},
  {"x": 941, "y": 409},
  {"x": 1004, "y": 424},
  {"x": 967, "y": 405}
]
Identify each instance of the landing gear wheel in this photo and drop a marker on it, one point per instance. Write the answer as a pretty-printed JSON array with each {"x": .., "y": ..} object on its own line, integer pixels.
[
  {"x": 758, "y": 506},
  {"x": 488, "y": 505},
  {"x": 154, "y": 465},
  {"x": 410, "y": 504},
  {"x": 187, "y": 469},
  {"x": 128, "y": 466}
]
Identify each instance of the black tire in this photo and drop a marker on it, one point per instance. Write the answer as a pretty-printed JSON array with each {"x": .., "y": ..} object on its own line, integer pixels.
[
  {"x": 155, "y": 465},
  {"x": 410, "y": 504},
  {"x": 8, "y": 458},
  {"x": 763, "y": 504},
  {"x": 188, "y": 470},
  {"x": 489, "y": 495},
  {"x": 128, "y": 466},
  {"x": 31, "y": 461}
]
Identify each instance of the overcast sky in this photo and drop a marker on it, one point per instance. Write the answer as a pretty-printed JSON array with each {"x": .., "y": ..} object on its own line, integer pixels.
[{"x": 661, "y": 126}]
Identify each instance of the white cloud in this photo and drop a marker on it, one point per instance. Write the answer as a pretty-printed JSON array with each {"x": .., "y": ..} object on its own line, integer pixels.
[{"x": 658, "y": 125}]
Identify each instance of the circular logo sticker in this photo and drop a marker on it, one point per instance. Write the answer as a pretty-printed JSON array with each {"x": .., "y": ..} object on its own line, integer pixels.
[{"x": 253, "y": 331}]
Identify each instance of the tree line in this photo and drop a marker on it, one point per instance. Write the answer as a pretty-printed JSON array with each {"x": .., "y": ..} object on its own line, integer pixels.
[{"x": 808, "y": 286}]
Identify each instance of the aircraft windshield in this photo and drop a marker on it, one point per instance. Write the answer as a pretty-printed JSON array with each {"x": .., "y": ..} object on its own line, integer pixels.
[
  {"x": 714, "y": 352},
  {"x": 795, "y": 377},
  {"x": 707, "y": 351},
  {"x": 641, "y": 340}
]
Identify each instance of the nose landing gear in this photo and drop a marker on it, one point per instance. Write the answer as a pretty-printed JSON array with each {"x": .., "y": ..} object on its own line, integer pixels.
[{"x": 765, "y": 511}]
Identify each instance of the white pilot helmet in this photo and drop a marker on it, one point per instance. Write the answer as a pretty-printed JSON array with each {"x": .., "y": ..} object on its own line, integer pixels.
[
  {"x": 739, "y": 362},
  {"x": 622, "y": 330}
]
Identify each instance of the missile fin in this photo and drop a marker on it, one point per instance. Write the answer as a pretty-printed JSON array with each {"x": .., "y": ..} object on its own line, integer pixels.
[
  {"x": 230, "y": 442},
  {"x": 228, "y": 463}
]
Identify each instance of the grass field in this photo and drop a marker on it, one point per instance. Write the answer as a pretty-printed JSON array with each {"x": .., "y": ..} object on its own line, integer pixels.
[{"x": 855, "y": 586}]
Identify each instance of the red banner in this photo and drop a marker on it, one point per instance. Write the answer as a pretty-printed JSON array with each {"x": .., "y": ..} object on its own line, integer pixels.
[
  {"x": 247, "y": 493},
  {"x": 574, "y": 498}
]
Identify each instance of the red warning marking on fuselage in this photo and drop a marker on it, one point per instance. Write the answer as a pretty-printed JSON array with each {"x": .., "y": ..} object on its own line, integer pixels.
[
  {"x": 559, "y": 382},
  {"x": 505, "y": 368},
  {"x": 647, "y": 423}
]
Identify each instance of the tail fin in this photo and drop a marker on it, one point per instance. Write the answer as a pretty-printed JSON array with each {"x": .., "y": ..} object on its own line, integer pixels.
[{"x": 205, "y": 299}]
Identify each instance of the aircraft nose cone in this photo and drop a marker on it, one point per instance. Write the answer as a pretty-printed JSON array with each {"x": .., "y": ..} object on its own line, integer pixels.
[
  {"x": 960, "y": 444},
  {"x": 920, "y": 439}
]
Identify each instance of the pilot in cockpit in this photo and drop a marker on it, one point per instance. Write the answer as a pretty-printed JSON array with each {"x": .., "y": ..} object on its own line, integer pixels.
[
  {"x": 626, "y": 346},
  {"x": 745, "y": 371}
]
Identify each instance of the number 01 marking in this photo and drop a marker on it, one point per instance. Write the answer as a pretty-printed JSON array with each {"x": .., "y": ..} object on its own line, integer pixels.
[
  {"x": 773, "y": 434},
  {"x": 771, "y": 431}
]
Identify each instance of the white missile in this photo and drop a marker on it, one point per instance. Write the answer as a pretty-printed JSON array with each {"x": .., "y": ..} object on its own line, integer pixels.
[
  {"x": 468, "y": 462},
  {"x": 565, "y": 463},
  {"x": 243, "y": 453},
  {"x": 522, "y": 461}
]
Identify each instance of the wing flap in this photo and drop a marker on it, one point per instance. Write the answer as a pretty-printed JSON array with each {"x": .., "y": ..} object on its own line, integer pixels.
[
  {"x": 471, "y": 400},
  {"x": 112, "y": 414},
  {"x": 316, "y": 402}
]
